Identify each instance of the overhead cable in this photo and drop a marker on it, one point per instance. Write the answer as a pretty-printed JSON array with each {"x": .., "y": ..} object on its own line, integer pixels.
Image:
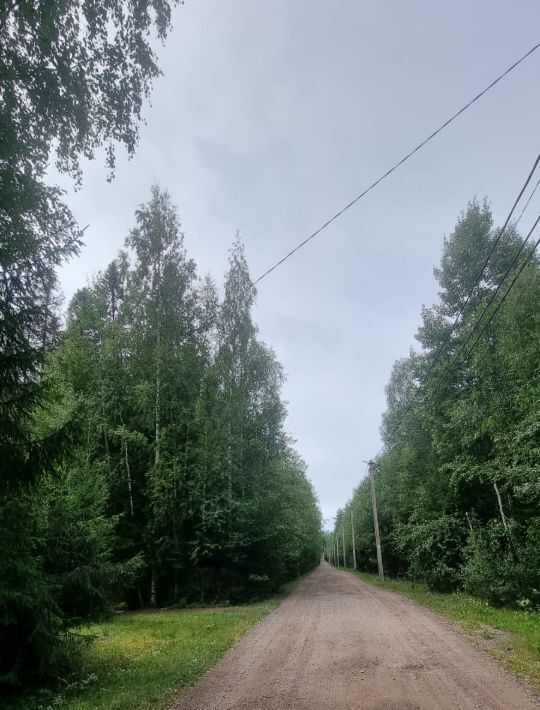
[{"x": 394, "y": 167}]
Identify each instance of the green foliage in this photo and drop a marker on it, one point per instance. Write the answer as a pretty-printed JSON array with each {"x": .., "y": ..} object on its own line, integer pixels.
[
  {"x": 433, "y": 550},
  {"x": 490, "y": 570},
  {"x": 468, "y": 436},
  {"x": 141, "y": 448},
  {"x": 175, "y": 481},
  {"x": 79, "y": 542},
  {"x": 73, "y": 77},
  {"x": 29, "y": 615},
  {"x": 76, "y": 73},
  {"x": 502, "y": 566}
]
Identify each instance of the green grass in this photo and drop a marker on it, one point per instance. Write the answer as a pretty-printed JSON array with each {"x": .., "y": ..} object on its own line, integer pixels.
[
  {"x": 510, "y": 636},
  {"x": 141, "y": 660}
]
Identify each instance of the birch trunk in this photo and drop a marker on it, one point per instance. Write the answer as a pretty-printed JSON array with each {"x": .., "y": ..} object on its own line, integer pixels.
[
  {"x": 153, "y": 593},
  {"x": 128, "y": 476},
  {"x": 157, "y": 400}
]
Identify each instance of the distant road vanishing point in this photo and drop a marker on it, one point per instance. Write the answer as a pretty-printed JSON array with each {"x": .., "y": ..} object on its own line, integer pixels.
[{"x": 337, "y": 643}]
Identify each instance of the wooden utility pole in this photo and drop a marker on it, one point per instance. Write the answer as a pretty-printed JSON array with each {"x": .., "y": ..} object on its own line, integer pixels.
[
  {"x": 343, "y": 538},
  {"x": 353, "y": 543},
  {"x": 371, "y": 468}
]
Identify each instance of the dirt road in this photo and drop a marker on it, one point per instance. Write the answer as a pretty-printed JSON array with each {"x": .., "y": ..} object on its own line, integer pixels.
[{"x": 339, "y": 644}]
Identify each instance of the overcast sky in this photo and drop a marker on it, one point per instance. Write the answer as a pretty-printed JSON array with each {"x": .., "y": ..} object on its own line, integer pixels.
[{"x": 269, "y": 117}]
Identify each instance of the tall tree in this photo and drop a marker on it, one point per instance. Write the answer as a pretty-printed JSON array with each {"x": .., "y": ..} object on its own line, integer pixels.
[
  {"x": 457, "y": 479},
  {"x": 73, "y": 78}
]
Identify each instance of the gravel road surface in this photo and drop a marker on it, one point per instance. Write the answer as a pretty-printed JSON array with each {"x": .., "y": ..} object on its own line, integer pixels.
[{"x": 337, "y": 643}]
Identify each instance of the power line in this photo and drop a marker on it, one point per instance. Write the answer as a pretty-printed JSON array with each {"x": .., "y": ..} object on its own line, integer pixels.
[
  {"x": 496, "y": 310},
  {"x": 394, "y": 167},
  {"x": 519, "y": 218},
  {"x": 535, "y": 188},
  {"x": 477, "y": 280},
  {"x": 454, "y": 362},
  {"x": 527, "y": 260},
  {"x": 494, "y": 295}
]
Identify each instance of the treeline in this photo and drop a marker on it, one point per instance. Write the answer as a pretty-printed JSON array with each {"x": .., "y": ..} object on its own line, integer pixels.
[
  {"x": 458, "y": 481},
  {"x": 173, "y": 480},
  {"x": 143, "y": 458}
]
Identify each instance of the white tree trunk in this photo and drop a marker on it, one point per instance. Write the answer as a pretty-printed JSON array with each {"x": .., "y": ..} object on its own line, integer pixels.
[{"x": 128, "y": 476}]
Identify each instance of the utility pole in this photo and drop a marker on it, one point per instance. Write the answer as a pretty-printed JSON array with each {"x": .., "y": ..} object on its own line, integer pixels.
[
  {"x": 337, "y": 549},
  {"x": 343, "y": 538},
  {"x": 353, "y": 543},
  {"x": 371, "y": 468}
]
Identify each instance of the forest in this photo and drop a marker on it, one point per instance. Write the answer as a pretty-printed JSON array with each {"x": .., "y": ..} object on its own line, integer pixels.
[
  {"x": 457, "y": 483},
  {"x": 144, "y": 459},
  {"x": 171, "y": 477},
  {"x": 144, "y": 456}
]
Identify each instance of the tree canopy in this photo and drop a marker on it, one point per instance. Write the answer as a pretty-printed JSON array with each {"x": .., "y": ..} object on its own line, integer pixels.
[
  {"x": 457, "y": 482},
  {"x": 177, "y": 482}
]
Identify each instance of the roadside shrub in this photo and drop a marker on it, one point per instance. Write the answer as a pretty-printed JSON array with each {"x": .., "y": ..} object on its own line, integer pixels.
[
  {"x": 529, "y": 567},
  {"x": 433, "y": 550},
  {"x": 504, "y": 568},
  {"x": 489, "y": 571}
]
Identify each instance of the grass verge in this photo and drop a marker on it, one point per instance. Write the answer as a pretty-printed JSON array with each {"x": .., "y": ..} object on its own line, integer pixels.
[
  {"x": 510, "y": 636},
  {"x": 141, "y": 660}
]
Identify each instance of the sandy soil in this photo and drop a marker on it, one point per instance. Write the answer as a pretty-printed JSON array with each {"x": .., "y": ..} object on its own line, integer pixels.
[{"x": 338, "y": 643}]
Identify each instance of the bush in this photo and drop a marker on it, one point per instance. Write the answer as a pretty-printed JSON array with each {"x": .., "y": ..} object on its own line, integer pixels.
[
  {"x": 504, "y": 568},
  {"x": 489, "y": 571},
  {"x": 433, "y": 550}
]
